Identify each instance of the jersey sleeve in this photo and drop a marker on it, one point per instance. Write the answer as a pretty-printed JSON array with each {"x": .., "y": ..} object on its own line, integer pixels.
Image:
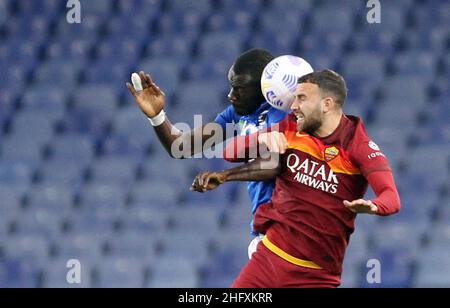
[
  {"x": 367, "y": 155},
  {"x": 244, "y": 148},
  {"x": 226, "y": 116}
]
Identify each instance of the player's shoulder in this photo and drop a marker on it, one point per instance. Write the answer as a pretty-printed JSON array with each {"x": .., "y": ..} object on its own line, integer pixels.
[
  {"x": 355, "y": 129},
  {"x": 361, "y": 143}
]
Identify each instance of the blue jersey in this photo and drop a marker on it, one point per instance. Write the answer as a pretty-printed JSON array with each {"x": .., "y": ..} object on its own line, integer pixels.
[{"x": 264, "y": 117}]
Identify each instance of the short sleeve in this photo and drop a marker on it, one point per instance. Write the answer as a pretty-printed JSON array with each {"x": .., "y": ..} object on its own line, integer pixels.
[{"x": 226, "y": 116}]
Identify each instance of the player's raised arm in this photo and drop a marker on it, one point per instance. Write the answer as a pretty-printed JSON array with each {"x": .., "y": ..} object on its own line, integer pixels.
[
  {"x": 258, "y": 170},
  {"x": 151, "y": 100}
]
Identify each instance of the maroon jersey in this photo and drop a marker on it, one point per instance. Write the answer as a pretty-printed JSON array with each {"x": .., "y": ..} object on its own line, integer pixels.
[{"x": 306, "y": 217}]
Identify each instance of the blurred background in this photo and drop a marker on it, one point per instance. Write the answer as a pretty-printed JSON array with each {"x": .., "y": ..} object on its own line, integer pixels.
[{"x": 83, "y": 176}]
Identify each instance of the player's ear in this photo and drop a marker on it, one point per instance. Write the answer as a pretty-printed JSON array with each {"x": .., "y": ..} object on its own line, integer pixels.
[{"x": 328, "y": 103}]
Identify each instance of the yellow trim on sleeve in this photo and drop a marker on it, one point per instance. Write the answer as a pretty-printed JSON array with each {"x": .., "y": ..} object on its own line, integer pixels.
[{"x": 284, "y": 255}]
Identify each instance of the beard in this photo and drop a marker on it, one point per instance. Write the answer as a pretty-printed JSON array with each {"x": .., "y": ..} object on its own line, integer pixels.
[{"x": 309, "y": 124}]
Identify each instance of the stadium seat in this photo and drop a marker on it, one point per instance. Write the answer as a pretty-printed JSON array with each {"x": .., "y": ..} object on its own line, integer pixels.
[
  {"x": 121, "y": 273},
  {"x": 232, "y": 21},
  {"x": 52, "y": 197},
  {"x": 73, "y": 147},
  {"x": 114, "y": 169},
  {"x": 164, "y": 71},
  {"x": 56, "y": 271},
  {"x": 431, "y": 265},
  {"x": 173, "y": 272},
  {"x": 226, "y": 46},
  {"x": 203, "y": 6}
]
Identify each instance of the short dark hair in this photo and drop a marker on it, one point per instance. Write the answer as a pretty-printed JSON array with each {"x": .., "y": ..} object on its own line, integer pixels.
[
  {"x": 253, "y": 62},
  {"x": 328, "y": 81}
]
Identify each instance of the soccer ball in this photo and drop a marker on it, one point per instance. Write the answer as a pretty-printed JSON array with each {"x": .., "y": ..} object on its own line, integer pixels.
[{"x": 279, "y": 80}]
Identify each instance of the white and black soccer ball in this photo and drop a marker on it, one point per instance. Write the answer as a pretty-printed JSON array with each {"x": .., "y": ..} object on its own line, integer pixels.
[{"x": 279, "y": 80}]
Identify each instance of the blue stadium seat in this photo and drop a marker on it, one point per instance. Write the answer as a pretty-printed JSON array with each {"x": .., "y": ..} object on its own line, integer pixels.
[
  {"x": 202, "y": 6},
  {"x": 292, "y": 23},
  {"x": 105, "y": 73},
  {"x": 10, "y": 200},
  {"x": 18, "y": 147},
  {"x": 393, "y": 233},
  {"x": 395, "y": 111},
  {"x": 199, "y": 98},
  {"x": 410, "y": 90},
  {"x": 343, "y": 20},
  {"x": 55, "y": 273},
  {"x": 146, "y": 219},
  {"x": 164, "y": 72},
  {"x": 130, "y": 123},
  {"x": 134, "y": 243},
  {"x": 137, "y": 26},
  {"x": 34, "y": 26},
  {"x": 396, "y": 269},
  {"x": 46, "y": 98},
  {"x": 174, "y": 46},
  {"x": 289, "y": 4},
  {"x": 232, "y": 21},
  {"x": 96, "y": 99},
  {"x": 103, "y": 193},
  {"x": 175, "y": 272},
  {"x": 121, "y": 170},
  {"x": 119, "y": 49},
  {"x": 432, "y": 268},
  {"x": 77, "y": 50},
  {"x": 83, "y": 245},
  {"x": 375, "y": 40},
  {"x": 38, "y": 125},
  {"x": 102, "y": 8},
  {"x": 196, "y": 218},
  {"x": 187, "y": 24},
  {"x": 154, "y": 191},
  {"x": 53, "y": 197},
  {"x": 364, "y": 65},
  {"x": 121, "y": 273},
  {"x": 415, "y": 62},
  {"x": 16, "y": 272},
  {"x": 132, "y": 8},
  {"x": 223, "y": 45},
  {"x": 12, "y": 172},
  {"x": 59, "y": 74},
  {"x": 24, "y": 55},
  {"x": 88, "y": 30},
  {"x": 278, "y": 43},
  {"x": 40, "y": 222},
  {"x": 123, "y": 146},
  {"x": 73, "y": 147},
  {"x": 13, "y": 78},
  {"x": 63, "y": 171},
  {"x": 207, "y": 71},
  {"x": 27, "y": 248},
  {"x": 194, "y": 246}
]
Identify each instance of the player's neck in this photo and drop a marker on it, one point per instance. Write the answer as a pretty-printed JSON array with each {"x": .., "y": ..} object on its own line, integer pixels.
[{"x": 329, "y": 124}]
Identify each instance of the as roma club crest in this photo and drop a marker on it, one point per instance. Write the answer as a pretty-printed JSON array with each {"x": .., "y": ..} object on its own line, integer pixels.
[{"x": 331, "y": 153}]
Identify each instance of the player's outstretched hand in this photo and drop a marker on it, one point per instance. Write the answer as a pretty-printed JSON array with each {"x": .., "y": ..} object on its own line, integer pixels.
[
  {"x": 361, "y": 206},
  {"x": 275, "y": 141},
  {"x": 208, "y": 181},
  {"x": 150, "y": 99}
]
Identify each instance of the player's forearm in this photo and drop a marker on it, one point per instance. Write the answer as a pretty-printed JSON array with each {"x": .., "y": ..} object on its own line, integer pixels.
[
  {"x": 186, "y": 145},
  {"x": 241, "y": 148},
  {"x": 167, "y": 134},
  {"x": 257, "y": 170},
  {"x": 388, "y": 199}
]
